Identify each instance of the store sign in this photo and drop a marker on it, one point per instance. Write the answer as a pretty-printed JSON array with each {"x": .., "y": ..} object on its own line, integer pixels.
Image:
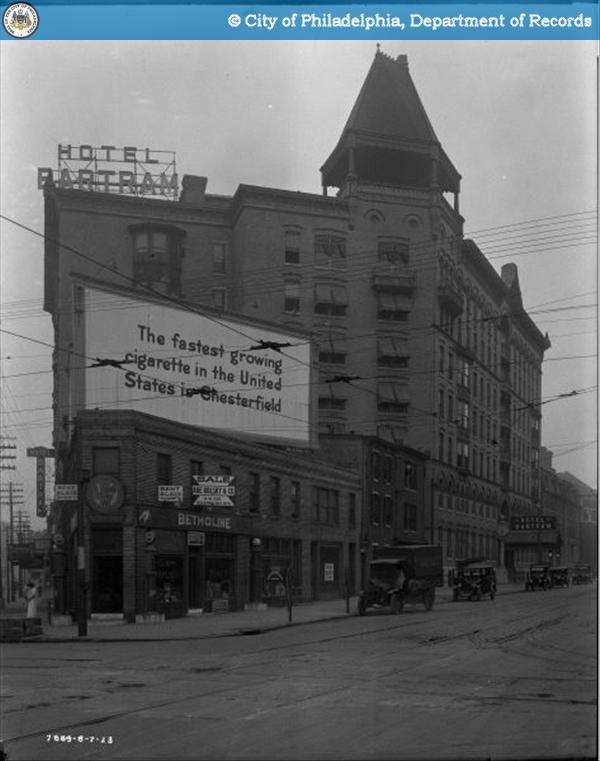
[
  {"x": 532, "y": 522},
  {"x": 161, "y": 517},
  {"x": 108, "y": 169},
  {"x": 170, "y": 494},
  {"x": 214, "y": 490},
  {"x": 328, "y": 572},
  {"x": 66, "y": 492},
  {"x": 40, "y": 454},
  {"x": 196, "y": 538}
]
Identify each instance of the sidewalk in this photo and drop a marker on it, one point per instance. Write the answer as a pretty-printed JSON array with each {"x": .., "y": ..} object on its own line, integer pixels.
[{"x": 211, "y": 625}]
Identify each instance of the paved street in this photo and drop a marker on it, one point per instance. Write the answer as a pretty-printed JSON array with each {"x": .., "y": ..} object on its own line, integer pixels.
[{"x": 510, "y": 679}]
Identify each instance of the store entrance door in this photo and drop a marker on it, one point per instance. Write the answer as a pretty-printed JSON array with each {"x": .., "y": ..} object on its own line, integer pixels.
[
  {"x": 195, "y": 577},
  {"x": 107, "y": 586}
]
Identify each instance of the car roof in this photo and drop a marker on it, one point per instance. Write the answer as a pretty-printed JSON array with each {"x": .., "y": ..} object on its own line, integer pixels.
[
  {"x": 482, "y": 564},
  {"x": 386, "y": 561}
]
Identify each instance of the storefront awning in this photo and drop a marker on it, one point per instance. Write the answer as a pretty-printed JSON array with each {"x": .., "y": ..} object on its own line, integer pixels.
[{"x": 533, "y": 538}]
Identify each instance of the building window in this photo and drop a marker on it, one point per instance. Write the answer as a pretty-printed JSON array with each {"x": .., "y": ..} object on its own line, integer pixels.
[
  {"x": 332, "y": 349},
  {"x": 292, "y": 247},
  {"x": 196, "y": 469},
  {"x": 295, "y": 498},
  {"x": 392, "y": 252},
  {"x": 326, "y": 506},
  {"x": 157, "y": 257},
  {"x": 254, "y": 493},
  {"x": 351, "y": 510},
  {"x": 291, "y": 297},
  {"x": 106, "y": 461},
  {"x": 275, "y": 495},
  {"x": 410, "y": 476},
  {"x": 464, "y": 415},
  {"x": 392, "y": 307},
  {"x": 332, "y": 402},
  {"x": 330, "y": 250},
  {"x": 164, "y": 465},
  {"x": 388, "y": 510},
  {"x": 388, "y": 467},
  {"x": 219, "y": 297},
  {"x": 410, "y": 517},
  {"x": 442, "y": 355},
  {"x": 392, "y": 397},
  {"x": 224, "y": 470},
  {"x": 219, "y": 262},
  {"x": 462, "y": 455},
  {"x": 331, "y": 300},
  {"x": 391, "y": 352},
  {"x": 375, "y": 511}
]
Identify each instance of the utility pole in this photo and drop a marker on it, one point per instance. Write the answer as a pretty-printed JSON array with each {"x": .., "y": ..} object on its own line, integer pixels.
[
  {"x": 11, "y": 495},
  {"x": 3, "y": 448}
]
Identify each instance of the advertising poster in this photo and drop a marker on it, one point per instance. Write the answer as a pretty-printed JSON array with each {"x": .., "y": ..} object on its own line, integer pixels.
[{"x": 288, "y": 222}]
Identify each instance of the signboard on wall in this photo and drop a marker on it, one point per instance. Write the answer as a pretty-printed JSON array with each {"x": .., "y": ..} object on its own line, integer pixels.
[
  {"x": 197, "y": 369},
  {"x": 214, "y": 490},
  {"x": 532, "y": 522}
]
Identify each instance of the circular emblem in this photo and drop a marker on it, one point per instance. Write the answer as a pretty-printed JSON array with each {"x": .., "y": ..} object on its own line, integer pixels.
[
  {"x": 105, "y": 494},
  {"x": 20, "y": 20},
  {"x": 59, "y": 540},
  {"x": 149, "y": 536}
]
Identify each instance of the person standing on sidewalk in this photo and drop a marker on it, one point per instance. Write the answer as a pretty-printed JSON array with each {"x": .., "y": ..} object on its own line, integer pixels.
[{"x": 31, "y": 595}]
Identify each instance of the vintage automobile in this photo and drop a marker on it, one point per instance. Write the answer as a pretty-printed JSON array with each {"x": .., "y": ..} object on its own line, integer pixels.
[
  {"x": 582, "y": 574},
  {"x": 473, "y": 580},
  {"x": 402, "y": 574},
  {"x": 537, "y": 578},
  {"x": 559, "y": 576}
]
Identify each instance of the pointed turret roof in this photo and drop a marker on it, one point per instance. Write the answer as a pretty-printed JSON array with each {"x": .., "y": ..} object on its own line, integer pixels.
[
  {"x": 388, "y": 114},
  {"x": 388, "y": 104}
]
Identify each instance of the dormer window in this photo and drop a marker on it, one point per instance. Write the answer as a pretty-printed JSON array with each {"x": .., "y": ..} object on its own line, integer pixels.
[{"x": 157, "y": 256}]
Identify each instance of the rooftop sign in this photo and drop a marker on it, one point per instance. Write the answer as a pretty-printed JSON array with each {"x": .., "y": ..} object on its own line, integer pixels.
[{"x": 107, "y": 169}]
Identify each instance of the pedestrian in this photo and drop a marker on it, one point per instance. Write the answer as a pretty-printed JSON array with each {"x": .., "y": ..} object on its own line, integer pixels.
[{"x": 31, "y": 595}]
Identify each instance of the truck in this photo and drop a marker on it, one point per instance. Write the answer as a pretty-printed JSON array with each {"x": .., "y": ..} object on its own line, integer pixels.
[{"x": 401, "y": 574}]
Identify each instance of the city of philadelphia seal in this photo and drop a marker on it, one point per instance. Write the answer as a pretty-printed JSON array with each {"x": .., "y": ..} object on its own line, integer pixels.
[{"x": 20, "y": 20}]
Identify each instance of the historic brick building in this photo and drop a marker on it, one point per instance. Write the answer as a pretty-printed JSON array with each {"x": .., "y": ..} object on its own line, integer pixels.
[{"x": 420, "y": 342}]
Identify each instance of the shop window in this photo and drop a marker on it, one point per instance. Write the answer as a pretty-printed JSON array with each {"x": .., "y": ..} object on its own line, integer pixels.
[
  {"x": 331, "y": 300},
  {"x": 295, "y": 498},
  {"x": 410, "y": 517},
  {"x": 291, "y": 297},
  {"x": 219, "y": 258},
  {"x": 106, "y": 460},
  {"x": 254, "y": 493},
  {"x": 292, "y": 247},
  {"x": 392, "y": 307},
  {"x": 391, "y": 352},
  {"x": 275, "y": 495},
  {"x": 157, "y": 253},
  {"x": 164, "y": 467},
  {"x": 392, "y": 252},
  {"x": 330, "y": 250}
]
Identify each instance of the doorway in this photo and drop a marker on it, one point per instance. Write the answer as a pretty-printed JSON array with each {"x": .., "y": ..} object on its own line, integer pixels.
[{"x": 107, "y": 586}]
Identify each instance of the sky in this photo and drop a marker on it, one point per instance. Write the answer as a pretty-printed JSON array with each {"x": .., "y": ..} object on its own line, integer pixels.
[{"x": 516, "y": 118}]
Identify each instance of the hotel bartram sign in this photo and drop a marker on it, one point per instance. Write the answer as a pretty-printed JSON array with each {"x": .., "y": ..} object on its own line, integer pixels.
[{"x": 108, "y": 169}]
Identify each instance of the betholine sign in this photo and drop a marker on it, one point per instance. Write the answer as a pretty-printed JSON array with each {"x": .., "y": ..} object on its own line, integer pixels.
[{"x": 108, "y": 169}]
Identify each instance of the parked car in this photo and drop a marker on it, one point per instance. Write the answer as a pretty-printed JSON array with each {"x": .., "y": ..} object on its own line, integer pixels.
[
  {"x": 559, "y": 576},
  {"x": 582, "y": 574},
  {"x": 402, "y": 574},
  {"x": 537, "y": 578},
  {"x": 475, "y": 579}
]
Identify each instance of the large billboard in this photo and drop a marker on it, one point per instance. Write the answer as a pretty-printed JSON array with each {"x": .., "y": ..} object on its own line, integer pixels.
[{"x": 196, "y": 368}]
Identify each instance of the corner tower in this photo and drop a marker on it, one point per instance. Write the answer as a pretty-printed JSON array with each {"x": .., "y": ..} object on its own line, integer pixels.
[{"x": 388, "y": 138}]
